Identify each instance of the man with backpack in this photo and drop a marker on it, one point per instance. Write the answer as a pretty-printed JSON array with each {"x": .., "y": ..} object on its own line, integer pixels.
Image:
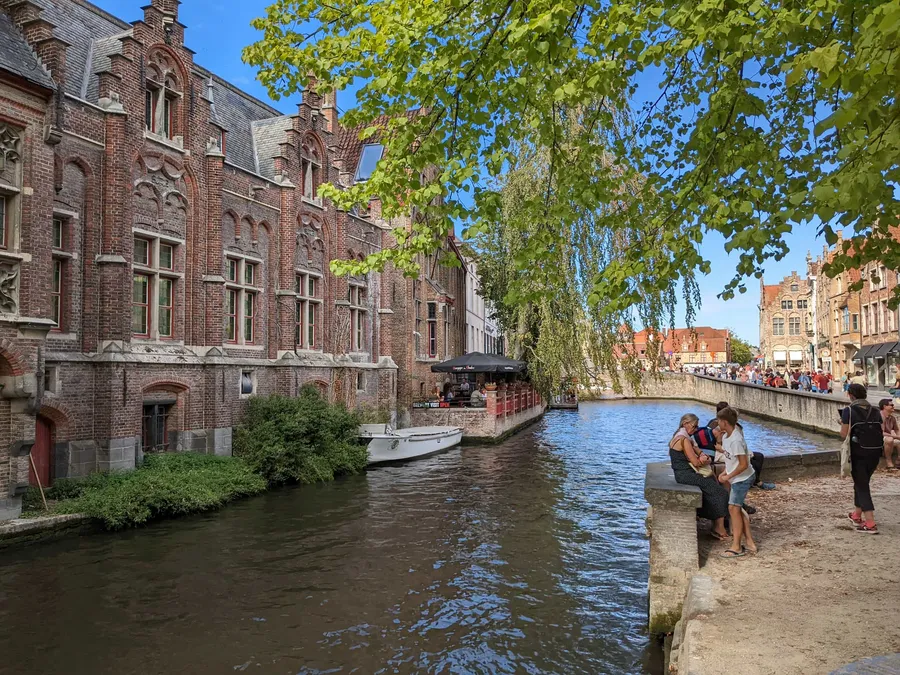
[{"x": 861, "y": 421}]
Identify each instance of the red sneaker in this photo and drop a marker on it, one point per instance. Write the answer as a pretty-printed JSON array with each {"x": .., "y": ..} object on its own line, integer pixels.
[
  {"x": 855, "y": 519},
  {"x": 869, "y": 528}
]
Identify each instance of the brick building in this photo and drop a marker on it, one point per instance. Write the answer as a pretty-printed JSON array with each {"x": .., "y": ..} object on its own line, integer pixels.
[
  {"x": 879, "y": 355},
  {"x": 786, "y": 327},
  {"x": 646, "y": 347},
  {"x": 837, "y": 331},
  {"x": 698, "y": 346},
  {"x": 165, "y": 253}
]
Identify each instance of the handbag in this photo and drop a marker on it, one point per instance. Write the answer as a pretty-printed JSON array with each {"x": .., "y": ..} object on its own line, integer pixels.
[
  {"x": 845, "y": 457},
  {"x": 705, "y": 470}
]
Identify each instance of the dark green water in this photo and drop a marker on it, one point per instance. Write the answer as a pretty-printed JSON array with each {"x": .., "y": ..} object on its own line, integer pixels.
[{"x": 526, "y": 557}]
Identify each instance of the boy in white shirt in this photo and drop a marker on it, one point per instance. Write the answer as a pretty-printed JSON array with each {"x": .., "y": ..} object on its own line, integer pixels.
[{"x": 739, "y": 475}]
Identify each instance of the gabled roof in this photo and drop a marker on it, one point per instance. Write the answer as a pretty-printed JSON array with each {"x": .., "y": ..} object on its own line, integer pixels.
[
  {"x": 17, "y": 57},
  {"x": 93, "y": 35},
  {"x": 770, "y": 292}
]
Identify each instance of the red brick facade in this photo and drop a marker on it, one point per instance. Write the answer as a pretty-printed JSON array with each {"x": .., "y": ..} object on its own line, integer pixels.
[{"x": 150, "y": 278}]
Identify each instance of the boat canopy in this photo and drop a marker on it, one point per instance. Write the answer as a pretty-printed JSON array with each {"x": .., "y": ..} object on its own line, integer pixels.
[{"x": 476, "y": 362}]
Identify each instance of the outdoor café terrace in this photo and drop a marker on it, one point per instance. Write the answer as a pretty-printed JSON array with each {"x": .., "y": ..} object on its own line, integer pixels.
[{"x": 487, "y": 395}]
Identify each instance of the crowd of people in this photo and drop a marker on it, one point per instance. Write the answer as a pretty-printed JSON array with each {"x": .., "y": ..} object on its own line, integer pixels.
[
  {"x": 716, "y": 459},
  {"x": 813, "y": 381}
]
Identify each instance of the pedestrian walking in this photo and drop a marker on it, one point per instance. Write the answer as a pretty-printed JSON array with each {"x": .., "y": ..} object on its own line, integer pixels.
[{"x": 861, "y": 424}]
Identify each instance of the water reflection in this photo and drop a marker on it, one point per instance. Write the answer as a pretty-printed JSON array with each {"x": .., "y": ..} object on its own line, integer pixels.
[{"x": 526, "y": 557}]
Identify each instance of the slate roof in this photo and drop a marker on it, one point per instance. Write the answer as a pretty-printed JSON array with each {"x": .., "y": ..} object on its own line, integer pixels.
[
  {"x": 93, "y": 35},
  {"x": 17, "y": 57},
  {"x": 268, "y": 135},
  {"x": 236, "y": 111},
  {"x": 99, "y": 52},
  {"x": 79, "y": 23}
]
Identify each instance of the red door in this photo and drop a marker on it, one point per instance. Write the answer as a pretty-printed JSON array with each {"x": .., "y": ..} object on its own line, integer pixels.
[{"x": 41, "y": 453}]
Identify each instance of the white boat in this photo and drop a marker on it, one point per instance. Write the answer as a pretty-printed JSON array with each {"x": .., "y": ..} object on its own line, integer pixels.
[{"x": 402, "y": 444}]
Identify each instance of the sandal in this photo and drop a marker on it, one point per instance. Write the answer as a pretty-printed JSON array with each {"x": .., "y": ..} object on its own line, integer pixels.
[
  {"x": 855, "y": 520},
  {"x": 728, "y": 553},
  {"x": 720, "y": 537}
]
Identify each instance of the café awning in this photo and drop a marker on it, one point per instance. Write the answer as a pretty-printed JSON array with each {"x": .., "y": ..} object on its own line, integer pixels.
[
  {"x": 862, "y": 353},
  {"x": 883, "y": 349},
  {"x": 476, "y": 362}
]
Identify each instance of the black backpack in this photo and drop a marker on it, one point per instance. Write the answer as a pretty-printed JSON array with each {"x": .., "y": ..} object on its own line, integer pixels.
[{"x": 866, "y": 434}]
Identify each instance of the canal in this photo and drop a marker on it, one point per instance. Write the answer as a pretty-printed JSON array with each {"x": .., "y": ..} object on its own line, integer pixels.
[{"x": 525, "y": 557}]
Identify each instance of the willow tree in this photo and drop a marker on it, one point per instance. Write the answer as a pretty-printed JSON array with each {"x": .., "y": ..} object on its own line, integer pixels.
[{"x": 770, "y": 115}]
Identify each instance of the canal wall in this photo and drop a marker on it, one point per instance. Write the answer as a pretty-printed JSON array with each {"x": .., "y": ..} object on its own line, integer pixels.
[
  {"x": 672, "y": 528},
  {"x": 479, "y": 425},
  {"x": 809, "y": 411}
]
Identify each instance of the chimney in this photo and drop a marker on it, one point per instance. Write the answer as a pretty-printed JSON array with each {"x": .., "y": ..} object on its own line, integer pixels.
[{"x": 168, "y": 7}]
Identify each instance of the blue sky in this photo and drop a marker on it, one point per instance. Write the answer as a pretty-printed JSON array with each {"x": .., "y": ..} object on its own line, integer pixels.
[{"x": 217, "y": 30}]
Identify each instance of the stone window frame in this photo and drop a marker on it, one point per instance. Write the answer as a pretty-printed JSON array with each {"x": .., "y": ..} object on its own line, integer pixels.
[
  {"x": 242, "y": 290},
  {"x": 250, "y": 374},
  {"x": 431, "y": 320},
  {"x": 304, "y": 303},
  {"x": 156, "y": 275},
  {"x": 312, "y": 161},
  {"x": 61, "y": 255},
  {"x": 357, "y": 297},
  {"x": 162, "y": 88},
  {"x": 794, "y": 320},
  {"x": 775, "y": 325},
  {"x": 787, "y": 303}
]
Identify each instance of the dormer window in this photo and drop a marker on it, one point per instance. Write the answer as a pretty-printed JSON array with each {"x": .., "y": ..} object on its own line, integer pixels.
[
  {"x": 160, "y": 102},
  {"x": 368, "y": 160}
]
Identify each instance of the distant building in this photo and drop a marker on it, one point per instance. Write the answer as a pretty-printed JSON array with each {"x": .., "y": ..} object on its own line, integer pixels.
[
  {"x": 698, "y": 346},
  {"x": 786, "y": 323},
  {"x": 836, "y": 322},
  {"x": 482, "y": 331},
  {"x": 646, "y": 347},
  {"x": 879, "y": 355}
]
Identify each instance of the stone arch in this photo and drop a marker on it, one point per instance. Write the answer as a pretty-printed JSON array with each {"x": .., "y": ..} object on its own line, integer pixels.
[
  {"x": 59, "y": 415},
  {"x": 12, "y": 362},
  {"x": 172, "y": 395}
]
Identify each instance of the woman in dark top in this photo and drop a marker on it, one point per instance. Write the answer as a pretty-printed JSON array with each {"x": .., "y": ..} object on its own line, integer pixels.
[{"x": 684, "y": 455}]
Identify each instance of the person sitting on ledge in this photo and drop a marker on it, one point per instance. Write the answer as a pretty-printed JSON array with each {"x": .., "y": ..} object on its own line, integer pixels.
[
  {"x": 692, "y": 467},
  {"x": 756, "y": 460},
  {"x": 891, "y": 432},
  {"x": 476, "y": 400}
]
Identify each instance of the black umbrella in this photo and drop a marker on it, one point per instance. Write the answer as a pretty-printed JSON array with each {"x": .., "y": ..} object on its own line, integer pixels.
[{"x": 476, "y": 362}]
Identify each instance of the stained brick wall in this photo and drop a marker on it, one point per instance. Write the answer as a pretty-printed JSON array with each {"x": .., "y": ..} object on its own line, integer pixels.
[{"x": 105, "y": 176}]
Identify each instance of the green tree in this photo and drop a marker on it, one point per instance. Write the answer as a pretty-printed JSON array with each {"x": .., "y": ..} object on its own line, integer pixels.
[
  {"x": 740, "y": 350},
  {"x": 771, "y": 114}
]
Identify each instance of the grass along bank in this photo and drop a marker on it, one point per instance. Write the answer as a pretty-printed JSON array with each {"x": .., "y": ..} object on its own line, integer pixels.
[{"x": 282, "y": 440}]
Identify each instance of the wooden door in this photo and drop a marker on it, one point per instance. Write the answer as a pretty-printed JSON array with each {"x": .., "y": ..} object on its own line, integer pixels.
[{"x": 41, "y": 453}]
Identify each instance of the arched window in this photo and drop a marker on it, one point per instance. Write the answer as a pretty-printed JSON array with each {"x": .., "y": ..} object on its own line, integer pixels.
[
  {"x": 161, "y": 97},
  {"x": 778, "y": 325},
  {"x": 310, "y": 170},
  {"x": 794, "y": 325}
]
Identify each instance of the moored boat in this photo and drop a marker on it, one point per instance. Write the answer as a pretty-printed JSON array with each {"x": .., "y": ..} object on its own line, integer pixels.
[{"x": 403, "y": 444}]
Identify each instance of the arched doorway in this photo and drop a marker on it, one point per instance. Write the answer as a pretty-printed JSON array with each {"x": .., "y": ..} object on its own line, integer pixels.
[{"x": 42, "y": 453}]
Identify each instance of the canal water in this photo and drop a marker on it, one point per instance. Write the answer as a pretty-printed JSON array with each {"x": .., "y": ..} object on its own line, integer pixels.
[{"x": 525, "y": 557}]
